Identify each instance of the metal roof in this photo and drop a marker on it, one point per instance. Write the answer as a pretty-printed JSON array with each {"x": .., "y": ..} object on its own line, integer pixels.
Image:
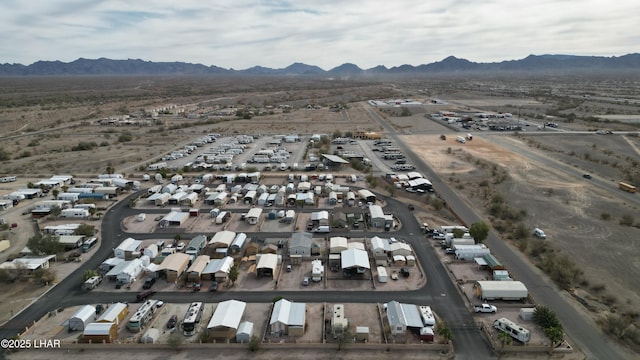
[
  {"x": 98, "y": 328},
  {"x": 335, "y": 159},
  {"x": 224, "y": 237},
  {"x": 218, "y": 265},
  {"x": 404, "y": 314},
  {"x": 288, "y": 313},
  {"x": 268, "y": 261},
  {"x": 228, "y": 314},
  {"x": 352, "y": 258}
]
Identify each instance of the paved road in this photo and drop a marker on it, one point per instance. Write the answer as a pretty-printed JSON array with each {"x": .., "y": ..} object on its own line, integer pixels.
[{"x": 578, "y": 326}]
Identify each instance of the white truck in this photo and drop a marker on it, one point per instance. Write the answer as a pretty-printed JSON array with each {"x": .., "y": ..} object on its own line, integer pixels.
[{"x": 485, "y": 308}]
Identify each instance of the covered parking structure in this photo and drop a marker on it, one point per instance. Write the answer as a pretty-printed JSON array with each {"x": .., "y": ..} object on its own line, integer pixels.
[
  {"x": 175, "y": 218},
  {"x": 354, "y": 262},
  {"x": 174, "y": 266},
  {"x": 226, "y": 319},
  {"x": 267, "y": 265}
]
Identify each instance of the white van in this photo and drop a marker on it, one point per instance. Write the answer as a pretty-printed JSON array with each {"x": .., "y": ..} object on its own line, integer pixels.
[
  {"x": 539, "y": 233},
  {"x": 323, "y": 229}
]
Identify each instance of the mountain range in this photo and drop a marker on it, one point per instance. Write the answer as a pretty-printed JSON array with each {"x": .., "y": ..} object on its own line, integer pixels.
[{"x": 451, "y": 64}]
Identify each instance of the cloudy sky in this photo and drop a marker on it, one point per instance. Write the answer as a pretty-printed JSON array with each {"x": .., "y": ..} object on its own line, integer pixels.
[{"x": 276, "y": 33}]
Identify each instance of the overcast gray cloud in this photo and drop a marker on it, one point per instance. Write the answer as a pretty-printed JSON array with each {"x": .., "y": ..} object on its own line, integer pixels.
[{"x": 242, "y": 33}]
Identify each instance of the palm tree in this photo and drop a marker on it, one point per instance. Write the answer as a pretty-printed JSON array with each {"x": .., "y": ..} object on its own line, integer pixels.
[
  {"x": 110, "y": 169},
  {"x": 92, "y": 211},
  {"x": 443, "y": 330},
  {"x": 555, "y": 335},
  {"x": 233, "y": 274},
  {"x": 504, "y": 339}
]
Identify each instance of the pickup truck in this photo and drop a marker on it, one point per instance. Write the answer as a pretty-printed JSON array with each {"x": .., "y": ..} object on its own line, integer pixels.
[{"x": 485, "y": 308}]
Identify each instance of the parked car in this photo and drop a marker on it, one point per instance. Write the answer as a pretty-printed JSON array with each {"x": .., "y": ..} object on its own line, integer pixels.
[
  {"x": 181, "y": 246},
  {"x": 214, "y": 286},
  {"x": 305, "y": 281},
  {"x": 148, "y": 283},
  {"x": 586, "y": 176},
  {"x": 173, "y": 320},
  {"x": 394, "y": 275}
]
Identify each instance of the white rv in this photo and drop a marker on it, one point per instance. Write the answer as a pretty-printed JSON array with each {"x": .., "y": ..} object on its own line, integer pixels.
[
  {"x": 461, "y": 139},
  {"x": 516, "y": 331}
]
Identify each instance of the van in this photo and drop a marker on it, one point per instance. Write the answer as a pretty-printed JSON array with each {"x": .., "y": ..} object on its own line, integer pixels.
[
  {"x": 143, "y": 296},
  {"x": 323, "y": 229},
  {"x": 539, "y": 233}
]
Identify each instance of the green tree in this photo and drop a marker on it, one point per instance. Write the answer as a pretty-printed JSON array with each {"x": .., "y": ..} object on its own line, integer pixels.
[
  {"x": 458, "y": 233},
  {"x": 55, "y": 211},
  {"x": 479, "y": 231},
  {"x": 44, "y": 276},
  {"x": 85, "y": 229},
  {"x": 233, "y": 274},
  {"x": 55, "y": 193},
  {"x": 110, "y": 169},
  {"x": 48, "y": 244},
  {"x": 555, "y": 336},
  {"x": 545, "y": 317},
  {"x": 443, "y": 329},
  {"x": 92, "y": 211},
  {"x": 88, "y": 274},
  {"x": 504, "y": 339}
]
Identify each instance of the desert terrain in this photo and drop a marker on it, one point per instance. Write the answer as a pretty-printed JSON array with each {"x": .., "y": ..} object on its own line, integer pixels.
[{"x": 53, "y": 127}]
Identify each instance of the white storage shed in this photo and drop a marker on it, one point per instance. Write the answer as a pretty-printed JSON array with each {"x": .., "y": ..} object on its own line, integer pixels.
[{"x": 82, "y": 317}]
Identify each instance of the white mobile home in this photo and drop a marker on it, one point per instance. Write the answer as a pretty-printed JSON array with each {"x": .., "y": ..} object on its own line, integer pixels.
[
  {"x": 129, "y": 272},
  {"x": 126, "y": 248},
  {"x": 377, "y": 216},
  {"x": 75, "y": 213}
]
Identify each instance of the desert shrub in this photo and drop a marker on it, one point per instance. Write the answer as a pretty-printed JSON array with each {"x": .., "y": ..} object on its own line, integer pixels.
[
  {"x": 626, "y": 220},
  {"x": 84, "y": 145},
  {"x": 618, "y": 326},
  {"x": 605, "y": 216},
  {"x": 561, "y": 270},
  {"x": 4, "y": 155},
  {"x": 125, "y": 137},
  {"x": 521, "y": 231}
]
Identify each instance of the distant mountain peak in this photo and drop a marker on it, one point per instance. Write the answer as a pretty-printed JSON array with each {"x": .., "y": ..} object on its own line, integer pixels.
[{"x": 531, "y": 63}]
